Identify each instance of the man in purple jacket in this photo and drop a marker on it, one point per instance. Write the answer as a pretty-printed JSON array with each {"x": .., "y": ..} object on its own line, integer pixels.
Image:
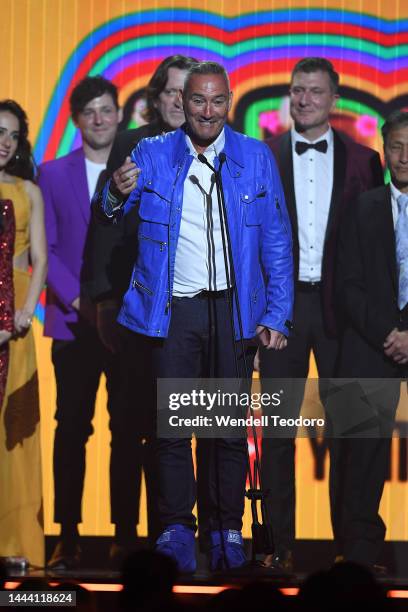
[{"x": 78, "y": 355}]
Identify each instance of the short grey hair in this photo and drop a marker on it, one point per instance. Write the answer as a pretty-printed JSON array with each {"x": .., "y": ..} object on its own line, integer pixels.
[{"x": 206, "y": 68}]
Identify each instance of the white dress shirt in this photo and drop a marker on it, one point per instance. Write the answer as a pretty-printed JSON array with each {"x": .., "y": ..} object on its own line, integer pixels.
[
  {"x": 313, "y": 181},
  {"x": 199, "y": 261}
]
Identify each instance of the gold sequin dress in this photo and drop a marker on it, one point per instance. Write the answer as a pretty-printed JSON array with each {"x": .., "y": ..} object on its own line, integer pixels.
[{"x": 21, "y": 511}]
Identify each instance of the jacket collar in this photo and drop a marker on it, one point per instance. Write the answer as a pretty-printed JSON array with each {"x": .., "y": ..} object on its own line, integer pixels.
[
  {"x": 232, "y": 149},
  {"x": 76, "y": 171}
]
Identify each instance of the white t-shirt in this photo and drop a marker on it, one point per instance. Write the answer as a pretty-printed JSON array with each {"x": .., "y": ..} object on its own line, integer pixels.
[{"x": 93, "y": 171}]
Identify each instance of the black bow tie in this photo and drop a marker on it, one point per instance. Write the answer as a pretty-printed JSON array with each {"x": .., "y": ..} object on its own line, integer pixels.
[{"x": 301, "y": 147}]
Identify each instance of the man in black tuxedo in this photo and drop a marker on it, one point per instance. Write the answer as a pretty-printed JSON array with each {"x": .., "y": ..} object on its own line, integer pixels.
[
  {"x": 110, "y": 254},
  {"x": 373, "y": 292},
  {"x": 322, "y": 173}
]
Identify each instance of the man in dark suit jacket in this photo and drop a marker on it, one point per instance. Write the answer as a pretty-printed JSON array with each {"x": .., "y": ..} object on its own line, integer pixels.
[
  {"x": 373, "y": 292},
  {"x": 322, "y": 173}
]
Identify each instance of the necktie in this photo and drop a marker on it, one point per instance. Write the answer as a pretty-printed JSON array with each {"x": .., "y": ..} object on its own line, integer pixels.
[
  {"x": 401, "y": 241},
  {"x": 301, "y": 147}
]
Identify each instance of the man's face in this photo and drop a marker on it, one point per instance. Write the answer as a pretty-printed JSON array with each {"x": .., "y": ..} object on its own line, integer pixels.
[
  {"x": 311, "y": 101},
  {"x": 206, "y": 105},
  {"x": 396, "y": 155},
  {"x": 168, "y": 103},
  {"x": 98, "y": 122}
]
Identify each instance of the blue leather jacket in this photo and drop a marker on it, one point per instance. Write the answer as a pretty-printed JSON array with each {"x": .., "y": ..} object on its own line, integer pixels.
[{"x": 260, "y": 233}]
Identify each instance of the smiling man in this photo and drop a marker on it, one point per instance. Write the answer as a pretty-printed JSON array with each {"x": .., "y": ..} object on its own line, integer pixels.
[
  {"x": 322, "y": 173},
  {"x": 79, "y": 357},
  {"x": 179, "y": 296}
]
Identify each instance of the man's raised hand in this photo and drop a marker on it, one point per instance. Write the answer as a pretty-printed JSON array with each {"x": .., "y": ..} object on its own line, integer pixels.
[{"x": 124, "y": 179}]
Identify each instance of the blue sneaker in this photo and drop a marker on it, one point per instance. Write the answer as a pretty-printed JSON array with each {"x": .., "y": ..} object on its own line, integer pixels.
[
  {"x": 229, "y": 553},
  {"x": 178, "y": 542}
]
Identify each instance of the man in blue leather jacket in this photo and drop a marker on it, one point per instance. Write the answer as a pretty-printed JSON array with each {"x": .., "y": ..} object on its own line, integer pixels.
[{"x": 179, "y": 296}]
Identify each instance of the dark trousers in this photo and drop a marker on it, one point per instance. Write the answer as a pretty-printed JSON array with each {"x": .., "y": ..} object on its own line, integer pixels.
[
  {"x": 278, "y": 453},
  {"x": 200, "y": 344},
  {"x": 78, "y": 366},
  {"x": 359, "y": 462}
]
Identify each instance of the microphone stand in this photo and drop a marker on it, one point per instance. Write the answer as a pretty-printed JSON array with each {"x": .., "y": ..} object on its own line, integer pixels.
[{"x": 262, "y": 537}]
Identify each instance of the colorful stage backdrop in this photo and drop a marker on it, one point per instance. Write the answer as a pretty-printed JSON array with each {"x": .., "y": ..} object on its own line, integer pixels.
[{"x": 49, "y": 45}]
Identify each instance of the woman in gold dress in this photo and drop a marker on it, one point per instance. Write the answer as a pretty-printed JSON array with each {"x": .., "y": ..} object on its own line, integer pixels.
[{"x": 21, "y": 521}]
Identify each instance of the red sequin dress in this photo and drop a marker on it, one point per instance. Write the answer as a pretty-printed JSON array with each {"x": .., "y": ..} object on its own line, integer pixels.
[{"x": 7, "y": 234}]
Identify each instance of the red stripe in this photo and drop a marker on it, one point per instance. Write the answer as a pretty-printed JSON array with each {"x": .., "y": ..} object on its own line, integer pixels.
[
  {"x": 346, "y": 68},
  {"x": 269, "y": 29}
]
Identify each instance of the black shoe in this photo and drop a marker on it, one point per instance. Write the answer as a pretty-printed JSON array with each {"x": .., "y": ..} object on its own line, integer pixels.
[
  {"x": 65, "y": 557},
  {"x": 379, "y": 571},
  {"x": 280, "y": 562}
]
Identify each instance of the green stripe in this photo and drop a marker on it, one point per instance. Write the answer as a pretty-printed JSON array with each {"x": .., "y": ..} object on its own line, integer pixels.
[
  {"x": 67, "y": 139},
  {"x": 254, "y": 44},
  {"x": 359, "y": 109},
  {"x": 251, "y": 120}
]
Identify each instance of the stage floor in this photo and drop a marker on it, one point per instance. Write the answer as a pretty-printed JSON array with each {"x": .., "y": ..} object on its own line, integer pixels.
[{"x": 310, "y": 556}]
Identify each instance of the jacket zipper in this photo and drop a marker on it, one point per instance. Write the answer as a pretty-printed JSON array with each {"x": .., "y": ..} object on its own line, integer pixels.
[
  {"x": 136, "y": 283},
  {"x": 278, "y": 208},
  {"x": 162, "y": 244},
  {"x": 167, "y": 309}
]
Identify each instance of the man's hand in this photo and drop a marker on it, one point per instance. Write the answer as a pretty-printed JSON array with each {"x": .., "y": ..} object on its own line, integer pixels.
[
  {"x": 108, "y": 328},
  {"x": 124, "y": 179},
  {"x": 270, "y": 338},
  {"x": 396, "y": 346}
]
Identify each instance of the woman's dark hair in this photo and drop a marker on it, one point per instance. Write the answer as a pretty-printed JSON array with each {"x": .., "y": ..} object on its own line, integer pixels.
[
  {"x": 22, "y": 164},
  {"x": 159, "y": 79}
]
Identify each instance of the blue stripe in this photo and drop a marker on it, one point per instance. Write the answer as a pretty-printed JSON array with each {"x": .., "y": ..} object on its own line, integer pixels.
[{"x": 39, "y": 313}]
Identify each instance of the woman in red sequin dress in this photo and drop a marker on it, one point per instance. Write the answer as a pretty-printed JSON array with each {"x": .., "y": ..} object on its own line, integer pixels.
[
  {"x": 7, "y": 233},
  {"x": 21, "y": 520}
]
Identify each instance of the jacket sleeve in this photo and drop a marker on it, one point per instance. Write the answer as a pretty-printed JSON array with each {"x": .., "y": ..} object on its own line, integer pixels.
[
  {"x": 111, "y": 254},
  {"x": 104, "y": 207},
  {"x": 276, "y": 254},
  {"x": 361, "y": 312},
  {"x": 377, "y": 172},
  {"x": 62, "y": 282}
]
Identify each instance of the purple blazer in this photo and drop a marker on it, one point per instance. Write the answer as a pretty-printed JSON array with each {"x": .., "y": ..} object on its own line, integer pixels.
[{"x": 64, "y": 187}]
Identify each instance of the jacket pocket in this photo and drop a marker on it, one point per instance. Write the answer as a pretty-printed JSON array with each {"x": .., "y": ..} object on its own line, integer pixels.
[
  {"x": 155, "y": 201},
  {"x": 252, "y": 198}
]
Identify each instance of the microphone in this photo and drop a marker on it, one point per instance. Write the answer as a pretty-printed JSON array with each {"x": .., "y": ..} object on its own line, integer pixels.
[
  {"x": 194, "y": 180},
  {"x": 222, "y": 158},
  {"x": 202, "y": 158}
]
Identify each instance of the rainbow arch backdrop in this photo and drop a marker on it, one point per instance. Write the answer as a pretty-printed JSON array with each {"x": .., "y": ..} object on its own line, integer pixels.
[{"x": 257, "y": 48}]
